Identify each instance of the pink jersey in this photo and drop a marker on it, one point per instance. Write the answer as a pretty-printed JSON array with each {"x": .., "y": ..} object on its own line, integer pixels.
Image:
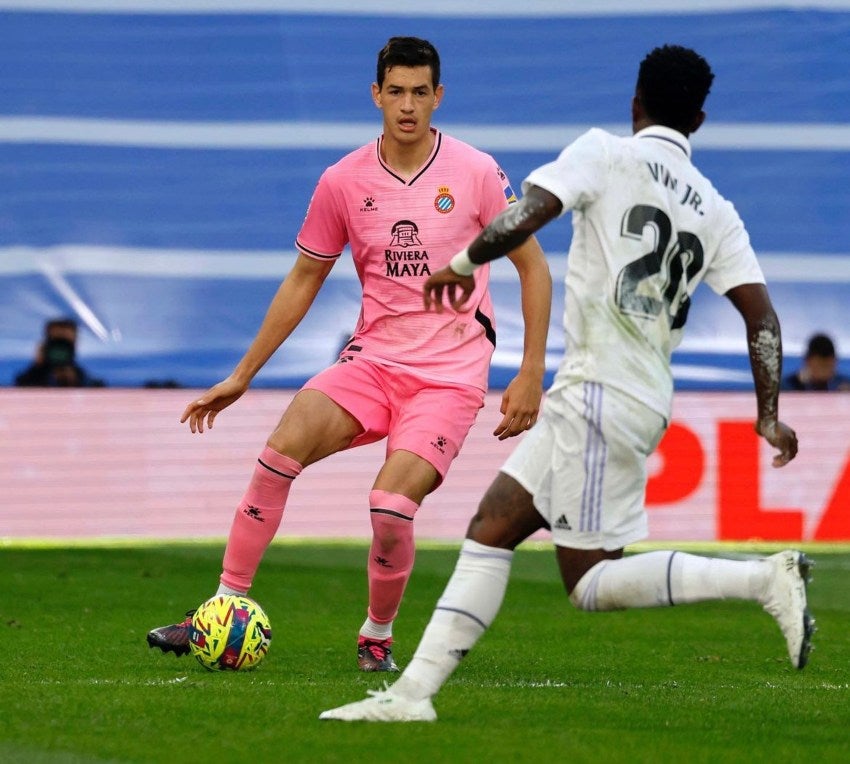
[{"x": 400, "y": 233}]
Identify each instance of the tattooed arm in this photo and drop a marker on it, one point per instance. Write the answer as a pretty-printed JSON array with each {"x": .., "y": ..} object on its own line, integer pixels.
[
  {"x": 505, "y": 233},
  {"x": 515, "y": 225},
  {"x": 764, "y": 340}
]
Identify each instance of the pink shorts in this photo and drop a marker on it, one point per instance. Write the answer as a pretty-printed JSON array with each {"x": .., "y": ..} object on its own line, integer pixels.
[{"x": 426, "y": 417}]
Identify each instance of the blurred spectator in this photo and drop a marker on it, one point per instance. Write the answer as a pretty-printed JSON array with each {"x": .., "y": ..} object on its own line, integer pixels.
[
  {"x": 819, "y": 370},
  {"x": 55, "y": 359},
  {"x": 162, "y": 384}
]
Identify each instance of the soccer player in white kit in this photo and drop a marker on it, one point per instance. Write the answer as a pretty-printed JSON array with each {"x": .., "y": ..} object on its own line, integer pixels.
[
  {"x": 647, "y": 228},
  {"x": 405, "y": 204}
]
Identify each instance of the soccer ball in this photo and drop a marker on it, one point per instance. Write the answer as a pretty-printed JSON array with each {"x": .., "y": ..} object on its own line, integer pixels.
[{"x": 230, "y": 633}]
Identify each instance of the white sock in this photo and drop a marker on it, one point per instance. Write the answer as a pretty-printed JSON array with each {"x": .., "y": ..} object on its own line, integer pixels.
[
  {"x": 469, "y": 604},
  {"x": 377, "y": 631},
  {"x": 695, "y": 578},
  {"x": 225, "y": 590},
  {"x": 661, "y": 579}
]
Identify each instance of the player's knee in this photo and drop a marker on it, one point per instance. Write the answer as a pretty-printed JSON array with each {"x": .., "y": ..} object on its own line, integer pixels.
[
  {"x": 385, "y": 542},
  {"x": 485, "y": 527},
  {"x": 506, "y": 515},
  {"x": 387, "y": 537},
  {"x": 389, "y": 532},
  {"x": 487, "y": 511},
  {"x": 309, "y": 431}
]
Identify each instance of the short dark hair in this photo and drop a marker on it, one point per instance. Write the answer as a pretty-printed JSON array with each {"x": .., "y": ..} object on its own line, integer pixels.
[
  {"x": 408, "y": 51},
  {"x": 820, "y": 345},
  {"x": 60, "y": 323},
  {"x": 672, "y": 86}
]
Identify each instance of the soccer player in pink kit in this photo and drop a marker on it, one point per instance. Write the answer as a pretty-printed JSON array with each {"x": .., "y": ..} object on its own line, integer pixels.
[
  {"x": 404, "y": 204},
  {"x": 647, "y": 228}
]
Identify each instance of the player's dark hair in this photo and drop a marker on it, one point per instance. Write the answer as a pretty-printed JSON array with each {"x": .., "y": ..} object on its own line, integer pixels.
[
  {"x": 672, "y": 86},
  {"x": 820, "y": 345},
  {"x": 60, "y": 323},
  {"x": 408, "y": 51}
]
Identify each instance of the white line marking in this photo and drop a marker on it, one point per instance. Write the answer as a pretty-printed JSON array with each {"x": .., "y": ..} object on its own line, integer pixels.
[
  {"x": 346, "y": 136},
  {"x": 779, "y": 267}
]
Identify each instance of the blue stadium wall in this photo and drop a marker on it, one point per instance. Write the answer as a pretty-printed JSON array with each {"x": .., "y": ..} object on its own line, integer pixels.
[{"x": 156, "y": 160}]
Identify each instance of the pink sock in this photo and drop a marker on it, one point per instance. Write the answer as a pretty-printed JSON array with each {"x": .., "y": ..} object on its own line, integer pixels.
[
  {"x": 392, "y": 552},
  {"x": 257, "y": 518}
]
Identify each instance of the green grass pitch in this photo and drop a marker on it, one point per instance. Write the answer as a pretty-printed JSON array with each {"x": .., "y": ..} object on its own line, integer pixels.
[{"x": 701, "y": 683}]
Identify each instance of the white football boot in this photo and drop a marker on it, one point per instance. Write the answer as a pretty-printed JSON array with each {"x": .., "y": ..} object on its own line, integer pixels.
[
  {"x": 785, "y": 599},
  {"x": 383, "y": 706}
]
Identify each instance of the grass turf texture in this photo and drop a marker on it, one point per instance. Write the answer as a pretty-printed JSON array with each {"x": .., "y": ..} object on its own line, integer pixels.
[{"x": 708, "y": 682}]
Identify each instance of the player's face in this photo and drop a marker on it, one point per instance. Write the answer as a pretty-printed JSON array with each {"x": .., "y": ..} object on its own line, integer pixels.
[
  {"x": 407, "y": 99},
  {"x": 821, "y": 370}
]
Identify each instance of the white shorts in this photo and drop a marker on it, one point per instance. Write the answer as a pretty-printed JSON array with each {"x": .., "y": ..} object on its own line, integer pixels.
[{"x": 584, "y": 462}]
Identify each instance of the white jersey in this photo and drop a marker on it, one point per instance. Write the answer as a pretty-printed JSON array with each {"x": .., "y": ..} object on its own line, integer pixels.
[{"x": 647, "y": 228}]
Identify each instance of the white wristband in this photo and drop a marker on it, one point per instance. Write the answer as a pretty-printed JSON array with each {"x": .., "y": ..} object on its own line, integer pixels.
[{"x": 461, "y": 264}]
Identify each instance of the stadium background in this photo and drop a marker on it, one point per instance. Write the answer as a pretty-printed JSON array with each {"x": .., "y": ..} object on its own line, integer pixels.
[{"x": 156, "y": 159}]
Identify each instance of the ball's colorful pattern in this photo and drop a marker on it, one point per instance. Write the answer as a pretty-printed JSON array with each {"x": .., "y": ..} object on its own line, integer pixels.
[{"x": 230, "y": 633}]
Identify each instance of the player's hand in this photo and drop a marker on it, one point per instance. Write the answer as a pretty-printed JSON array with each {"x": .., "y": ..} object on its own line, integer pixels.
[
  {"x": 520, "y": 405},
  {"x": 215, "y": 399},
  {"x": 780, "y": 436},
  {"x": 446, "y": 283}
]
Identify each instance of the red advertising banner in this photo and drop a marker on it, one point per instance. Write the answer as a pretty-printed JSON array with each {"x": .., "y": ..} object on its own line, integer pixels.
[
  {"x": 117, "y": 464},
  {"x": 712, "y": 477}
]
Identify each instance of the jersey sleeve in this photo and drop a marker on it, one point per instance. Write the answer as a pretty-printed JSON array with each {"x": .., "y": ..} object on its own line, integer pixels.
[
  {"x": 496, "y": 193},
  {"x": 579, "y": 175},
  {"x": 323, "y": 234},
  {"x": 735, "y": 262}
]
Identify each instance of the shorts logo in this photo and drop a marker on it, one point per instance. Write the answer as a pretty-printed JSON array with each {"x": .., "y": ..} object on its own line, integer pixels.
[
  {"x": 563, "y": 523},
  {"x": 369, "y": 205},
  {"x": 445, "y": 202},
  {"x": 440, "y": 444}
]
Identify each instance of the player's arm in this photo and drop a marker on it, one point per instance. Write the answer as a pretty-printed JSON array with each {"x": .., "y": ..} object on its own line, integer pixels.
[
  {"x": 507, "y": 231},
  {"x": 764, "y": 340},
  {"x": 521, "y": 399},
  {"x": 289, "y": 305}
]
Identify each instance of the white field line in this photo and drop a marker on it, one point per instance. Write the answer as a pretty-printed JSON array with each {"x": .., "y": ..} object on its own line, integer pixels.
[
  {"x": 288, "y": 135},
  {"x": 778, "y": 267}
]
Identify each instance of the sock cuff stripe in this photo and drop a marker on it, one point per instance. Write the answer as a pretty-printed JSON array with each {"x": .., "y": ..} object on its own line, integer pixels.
[
  {"x": 489, "y": 555},
  {"x": 394, "y": 502},
  {"x": 669, "y": 579},
  {"x": 276, "y": 472},
  {"x": 391, "y": 513},
  {"x": 475, "y": 549},
  {"x": 463, "y": 612}
]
